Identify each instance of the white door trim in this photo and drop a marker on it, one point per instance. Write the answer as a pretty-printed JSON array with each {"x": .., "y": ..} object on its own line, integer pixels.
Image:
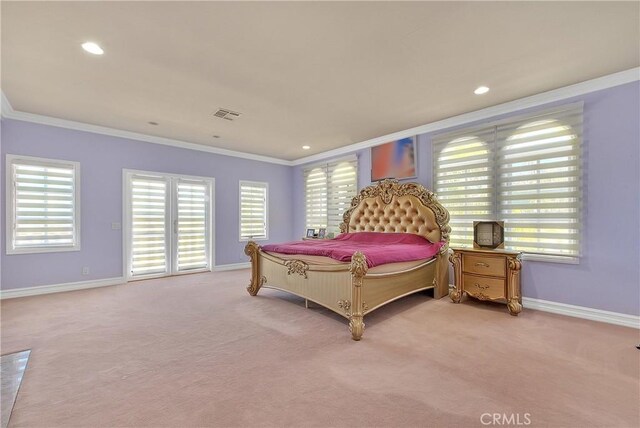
[{"x": 171, "y": 189}]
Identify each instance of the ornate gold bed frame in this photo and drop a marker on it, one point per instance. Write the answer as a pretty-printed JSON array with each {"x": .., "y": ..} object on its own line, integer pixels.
[{"x": 348, "y": 289}]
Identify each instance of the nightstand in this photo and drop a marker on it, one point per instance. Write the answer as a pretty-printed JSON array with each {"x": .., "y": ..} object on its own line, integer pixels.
[{"x": 487, "y": 275}]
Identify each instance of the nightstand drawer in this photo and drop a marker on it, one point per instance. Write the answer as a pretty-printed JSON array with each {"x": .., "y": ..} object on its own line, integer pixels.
[
  {"x": 484, "y": 288},
  {"x": 483, "y": 265}
]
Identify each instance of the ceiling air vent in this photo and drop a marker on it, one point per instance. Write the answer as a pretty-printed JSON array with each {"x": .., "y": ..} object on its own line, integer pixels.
[{"x": 223, "y": 113}]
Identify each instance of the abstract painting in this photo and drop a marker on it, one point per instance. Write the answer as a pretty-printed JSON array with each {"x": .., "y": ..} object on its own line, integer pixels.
[{"x": 396, "y": 159}]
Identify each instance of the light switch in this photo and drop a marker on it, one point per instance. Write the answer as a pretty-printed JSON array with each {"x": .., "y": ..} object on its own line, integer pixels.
[{"x": 116, "y": 226}]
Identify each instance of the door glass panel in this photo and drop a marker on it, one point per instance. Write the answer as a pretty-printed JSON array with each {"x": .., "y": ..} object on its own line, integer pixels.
[
  {"x": 191, "y": 225},
  {"x": 148, "y": 226}
]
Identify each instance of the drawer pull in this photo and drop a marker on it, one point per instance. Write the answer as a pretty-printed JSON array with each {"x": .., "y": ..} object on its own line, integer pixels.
[
  {"x": 481, "y": 287},
  {"x": 482, "y": 264}
]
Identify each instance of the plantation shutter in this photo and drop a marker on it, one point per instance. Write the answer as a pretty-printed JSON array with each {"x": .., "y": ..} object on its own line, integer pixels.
[
  {"x": 329, "y": 189},
  {"x": 315, "y": 195},
  {"x": 44, "y": 204},
  {"x": 342, "y": 187},
  {"x": 191, "y": 220},
  {"x": 253, "y": 210},
  {"x": 464, "y": 180},
  {"x": 149, "y": 209},
  {"x": 539, "y": 182}
]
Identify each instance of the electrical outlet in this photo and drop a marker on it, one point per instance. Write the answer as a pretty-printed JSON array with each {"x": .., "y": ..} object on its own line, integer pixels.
[
  {"x": 116, "y": 226},
  {"x": 85, "y": 270}
]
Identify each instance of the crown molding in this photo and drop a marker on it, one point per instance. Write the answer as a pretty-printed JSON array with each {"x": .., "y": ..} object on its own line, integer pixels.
[
  {"x": 5, "y": 105},
  {"x": 10, "y": 113},
  {"x": 554, "y": 95}
]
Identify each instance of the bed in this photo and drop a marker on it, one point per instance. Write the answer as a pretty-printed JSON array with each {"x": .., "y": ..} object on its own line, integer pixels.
[{"x": 352, "y": 288}]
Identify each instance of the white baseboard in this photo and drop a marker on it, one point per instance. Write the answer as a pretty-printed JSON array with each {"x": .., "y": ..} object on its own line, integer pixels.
[
  {"x": 608, "y": 317},
  {"x": 616, "y": 318},
  {"x": 59, "y": 288},
  {"x": 232, "y": 266},
  {"x": 81, "y": 285}
]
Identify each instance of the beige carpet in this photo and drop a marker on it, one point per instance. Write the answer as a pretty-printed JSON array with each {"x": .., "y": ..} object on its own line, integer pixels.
[{"x": 197, "y": 350}]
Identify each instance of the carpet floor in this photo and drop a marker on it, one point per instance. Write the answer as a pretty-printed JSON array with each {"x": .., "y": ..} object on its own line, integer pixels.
[{"x": 197, "y": 350}]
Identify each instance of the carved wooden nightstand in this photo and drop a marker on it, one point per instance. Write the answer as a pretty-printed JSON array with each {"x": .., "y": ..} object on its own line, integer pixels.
[{"x": 487, "y": 275}]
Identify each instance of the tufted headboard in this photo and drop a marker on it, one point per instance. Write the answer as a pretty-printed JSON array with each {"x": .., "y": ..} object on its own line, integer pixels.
[{"x": 389, "y": 206}]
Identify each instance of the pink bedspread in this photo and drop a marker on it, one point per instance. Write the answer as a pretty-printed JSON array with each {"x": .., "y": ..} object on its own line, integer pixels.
[{"x": 379, "y": 248}]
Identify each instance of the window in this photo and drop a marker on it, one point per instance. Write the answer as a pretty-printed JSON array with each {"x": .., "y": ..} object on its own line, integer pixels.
[
  {"x": 526, "y": 172},
  {"x": 149, "y": 224},
  {"x": 253, "y": 210},
  {"x": 43, "y": 205},
  {"x": 329, "y": 189},
  {"x": 464, "y": 182},
  {"x": 315, "y": 195},
  {"x": 192, "y": 222},
  {"x": 168, "y": 225}
]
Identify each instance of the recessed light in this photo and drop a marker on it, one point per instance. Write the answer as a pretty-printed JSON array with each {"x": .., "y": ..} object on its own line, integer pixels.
[
  {"x": 153, "y": 123},
  {"x": 481, "y": 90},
  {"x": 92, "y": 48},
  {"x": 306, "y": 147}
]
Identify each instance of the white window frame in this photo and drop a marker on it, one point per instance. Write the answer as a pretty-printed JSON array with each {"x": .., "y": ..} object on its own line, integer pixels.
[
  {"x": 325, "y": 167},
  {"x": 10, "y": 206},
  {"x": 172, "y": 209},
  {"x": 266, "y": 209},
  {"x": 551, "y": 258}
]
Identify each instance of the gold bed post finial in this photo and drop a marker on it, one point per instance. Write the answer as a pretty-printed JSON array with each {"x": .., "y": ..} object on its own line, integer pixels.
[
  {"x": 252, "y": 250},
  {"x": 358, "y": 269}
]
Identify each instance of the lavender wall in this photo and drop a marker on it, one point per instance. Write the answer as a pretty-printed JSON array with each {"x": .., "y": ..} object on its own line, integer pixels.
[
  {"x": 608, "y": 276},
  {"x": 102, "y": 160}
]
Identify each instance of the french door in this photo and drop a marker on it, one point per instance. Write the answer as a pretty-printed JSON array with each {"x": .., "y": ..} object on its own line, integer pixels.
[{"x": 168, "y": 224}]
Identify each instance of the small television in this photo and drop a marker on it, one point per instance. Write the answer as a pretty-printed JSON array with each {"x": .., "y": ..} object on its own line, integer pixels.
[{"x": 488, "y": 234}]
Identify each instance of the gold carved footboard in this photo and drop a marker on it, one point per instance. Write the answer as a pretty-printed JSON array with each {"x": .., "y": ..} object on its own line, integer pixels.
[{"x": 348, "y": 290}]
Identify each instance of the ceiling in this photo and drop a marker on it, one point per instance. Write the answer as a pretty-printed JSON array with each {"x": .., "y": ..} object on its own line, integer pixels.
[{"x": 323, "y": 74}]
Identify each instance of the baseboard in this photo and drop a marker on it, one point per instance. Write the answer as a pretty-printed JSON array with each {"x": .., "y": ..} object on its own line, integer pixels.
[
  {"x": 232, "y": 266},
  {"x": 608, "y": 317},
  {"x": 59, "y": 288},
  {"x": 81, "y": 285},
  {"x": 616, "y": 318}
]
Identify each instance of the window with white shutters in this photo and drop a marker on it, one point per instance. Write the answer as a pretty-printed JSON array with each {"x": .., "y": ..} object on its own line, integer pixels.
[
  {"x": 192, "y": 219},
  {"x": 253, "y": 210},
  {"x": 539, "y": 183},
  {"x": 43, "y": 205},
  {"x": 149, "y": 225},
  {"x": 315, "y": 195},
  {"x": 464, "y": 181},
  {"x": 342, "y": 187},
  {"x": 329, "y": 189},
  {"x": 525, "y": 172},
  {"x": 168, "y": 224}
]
